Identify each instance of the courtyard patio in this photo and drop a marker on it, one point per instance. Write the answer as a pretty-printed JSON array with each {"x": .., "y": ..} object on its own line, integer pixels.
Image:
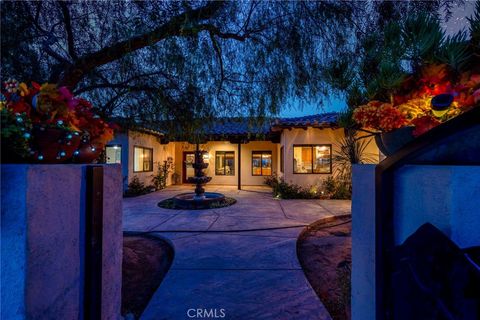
[{"x": 240, "y": 258}]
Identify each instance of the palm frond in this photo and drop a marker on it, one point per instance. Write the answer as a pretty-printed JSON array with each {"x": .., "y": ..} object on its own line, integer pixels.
[
  {"x": 475, "y": 25},
  {"x": 422, "y": 35},
  {"x": 391, "y": 76},
  {"x": 351, "y": 150},
  {"x": 455, "y": 51},
  {"x": 345, "y": 119}
]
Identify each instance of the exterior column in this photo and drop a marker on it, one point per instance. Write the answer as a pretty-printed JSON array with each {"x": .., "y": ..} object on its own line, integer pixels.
[{"x": 239, "y": 150}]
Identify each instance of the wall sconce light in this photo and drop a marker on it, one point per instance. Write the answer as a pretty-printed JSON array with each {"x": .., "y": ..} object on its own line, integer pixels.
[
  {"x": 206, "y": 156},
  {"x": 441, "y": 103}
]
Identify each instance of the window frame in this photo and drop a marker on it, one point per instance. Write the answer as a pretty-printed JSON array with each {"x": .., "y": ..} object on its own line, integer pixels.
[
  {"x": 261, "y": 163},
  {"x": 312, "y": 146},
  {"x": 224, "y": 167},
  {"x": 151, "y": 159},
  {"x": 113, "y": 146}
]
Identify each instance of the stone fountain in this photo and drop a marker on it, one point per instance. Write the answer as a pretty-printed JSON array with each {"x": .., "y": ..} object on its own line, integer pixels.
[{"x": 198, "y": 199}]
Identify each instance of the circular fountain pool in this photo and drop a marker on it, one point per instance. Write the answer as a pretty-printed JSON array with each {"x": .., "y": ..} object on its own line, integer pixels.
[{"x": 188, "y": 201}]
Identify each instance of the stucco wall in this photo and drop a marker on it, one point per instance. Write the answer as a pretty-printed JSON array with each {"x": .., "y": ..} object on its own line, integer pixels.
[
  {"x": 43, "y": 242},
  {"x": 446, "y": 196},
  {"x": 246, "y": 157},
  {"x": 160, "y": 153},
  {"x": 292, "y": 137}
]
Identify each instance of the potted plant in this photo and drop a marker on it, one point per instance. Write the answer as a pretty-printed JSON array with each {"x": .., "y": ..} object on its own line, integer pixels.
[
  {"x": 421, "y": 102},
  {"x": 47, "y": 124}
]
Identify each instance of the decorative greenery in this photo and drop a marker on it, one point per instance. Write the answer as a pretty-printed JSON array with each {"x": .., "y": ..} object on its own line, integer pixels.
[
  {"x": 410, "y": 104},
  {"x": 44, "y": 123},
  {"x": 350, "y": 150},
  {"x": 159, "y": 180},
  {"x": 330, "y": 188},
  {"x": 15, "y": 131},
  {"x": 137, "y": 188},
  {"x": 284, "y": 190},
  {"x": 336, "y": 188}
]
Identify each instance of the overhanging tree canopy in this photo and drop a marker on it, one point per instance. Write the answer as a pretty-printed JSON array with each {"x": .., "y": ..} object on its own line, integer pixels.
[{"x": 158, "y": 60}]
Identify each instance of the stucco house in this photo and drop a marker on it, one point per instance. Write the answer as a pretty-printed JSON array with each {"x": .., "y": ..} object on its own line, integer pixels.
[{"x": 298, "y": 149}]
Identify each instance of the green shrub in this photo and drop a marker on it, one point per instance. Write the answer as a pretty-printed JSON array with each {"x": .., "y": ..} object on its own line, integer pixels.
[
  {"x": 336, "y": 188},
  {"x": 137, "y": 188},
  {"x": 271, "y": 180},
  {"x": 14, "y": 137},
  {"x": 329, "y": 185},
  {"x": 284, "y": 190},
  {"x": 330, "y": 188},
  {"x": 159, "y": 179}
]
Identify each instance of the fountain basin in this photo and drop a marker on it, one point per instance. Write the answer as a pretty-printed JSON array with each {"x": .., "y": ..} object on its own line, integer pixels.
[
  {"x": 201, "y": 180},
  {"x": 190, "y": 200}
]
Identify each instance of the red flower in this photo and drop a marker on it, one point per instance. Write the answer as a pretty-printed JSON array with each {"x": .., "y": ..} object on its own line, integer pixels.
[
  {"x": 424, "y": 124},
  {"x": 380, "y": 116}
]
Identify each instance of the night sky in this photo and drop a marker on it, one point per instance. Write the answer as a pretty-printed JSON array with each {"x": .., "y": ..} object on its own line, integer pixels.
[{"x": 455, "y": 24}]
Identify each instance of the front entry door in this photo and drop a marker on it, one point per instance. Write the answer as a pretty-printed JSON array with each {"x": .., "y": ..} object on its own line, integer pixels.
[{"x": 188, "y": 171}]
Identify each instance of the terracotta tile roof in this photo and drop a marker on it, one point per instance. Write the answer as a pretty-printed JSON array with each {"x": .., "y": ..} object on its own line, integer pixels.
[
  {"x": 316, "y": 120},
  {"x": 248, "y": 126},
  {"x": 238, "y": 126}
]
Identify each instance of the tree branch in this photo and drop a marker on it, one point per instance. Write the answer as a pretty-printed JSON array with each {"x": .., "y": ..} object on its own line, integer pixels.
[
  {"x": 124, "y": 84},
  {"x": 218, "y": 51},
  {"x": 224, "y": 35},
  {"x": 82, "y": 66},
  {"x": 116, "y": 86},
  {"x": 68, "y": 28}
]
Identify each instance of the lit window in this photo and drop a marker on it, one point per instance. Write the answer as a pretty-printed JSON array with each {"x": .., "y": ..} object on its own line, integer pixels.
[
  {"x": 142, "y": 159},
  {"x": 261, "y": 163},
  {"x": 224, "y": 163},
  {"x": 312, "y": 159},
  {"x": 113, "y": 154}
]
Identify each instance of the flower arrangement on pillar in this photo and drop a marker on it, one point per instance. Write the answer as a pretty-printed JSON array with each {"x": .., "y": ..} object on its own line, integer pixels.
[
  {"x": 422, "y": 102},
  {"x": 47, "y": 124}
]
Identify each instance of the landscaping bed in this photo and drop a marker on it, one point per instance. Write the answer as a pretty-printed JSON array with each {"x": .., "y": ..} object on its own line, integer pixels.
[
  {"x": 324, "y": 251},
  {"x": 146, "y": 261}
]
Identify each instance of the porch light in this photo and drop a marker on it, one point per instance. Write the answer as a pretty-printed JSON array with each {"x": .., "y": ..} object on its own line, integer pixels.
[
  {"x": 441, "y": 103},
  {"x": 206, "y": 156}
]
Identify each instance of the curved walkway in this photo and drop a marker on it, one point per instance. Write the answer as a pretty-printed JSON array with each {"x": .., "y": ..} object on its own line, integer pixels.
[{"x": 241, "y": 258}]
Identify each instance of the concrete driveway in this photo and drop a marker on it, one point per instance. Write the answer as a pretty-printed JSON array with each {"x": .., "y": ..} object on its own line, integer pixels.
[{"x": 241, "y": 258}]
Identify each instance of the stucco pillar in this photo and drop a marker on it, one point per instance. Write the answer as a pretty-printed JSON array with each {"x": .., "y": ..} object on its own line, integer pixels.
[
  {"x": 43, "y": 241},
  {"x": 363, "y": 242},
  {"x": 239, "y": 151}
]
